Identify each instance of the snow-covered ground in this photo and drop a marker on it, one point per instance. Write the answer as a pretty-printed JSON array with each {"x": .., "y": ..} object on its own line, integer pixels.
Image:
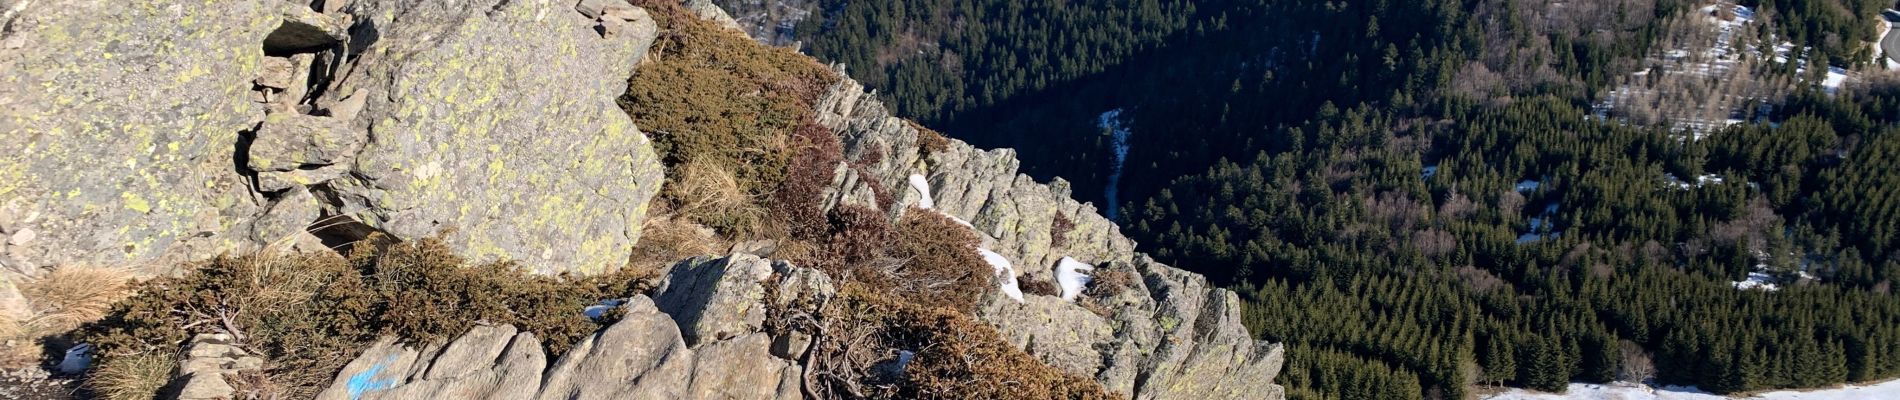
[
  {"x": 1630, "y": 391},
  {"x": 1111, "y": 121}
]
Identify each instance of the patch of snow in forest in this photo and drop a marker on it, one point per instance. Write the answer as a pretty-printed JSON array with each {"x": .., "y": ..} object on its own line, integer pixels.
[
  {"x": 1005, "y": 273},
  {"x": 1632, "y": 391},
  {"x": 1700, "y": 181},
  {"x": 1528, "y": 185},
  {"x": 1758, "y": 280},
  {"x": 1882, "y": 390},
  {"x": 1118, "y": 134},
  {"x": 1431, "y": 171},
  {"x": 1541, "y": 227},
  {"x": 1073, "y": 277},
  {"x": 922, "y": 186}
]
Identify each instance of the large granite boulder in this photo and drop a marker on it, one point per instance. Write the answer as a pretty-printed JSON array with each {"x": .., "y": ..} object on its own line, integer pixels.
[
  {"x": 148, "y": 133},
  {"x": 119, "y": 123}
]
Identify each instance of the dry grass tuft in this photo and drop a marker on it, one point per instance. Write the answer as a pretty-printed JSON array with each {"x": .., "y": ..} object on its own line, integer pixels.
[
  {"x": 1059, "y": 229},
  {"x": 138, "y": 376},
  {"x": 665, "y": 239},
  {"x": 70, "y": 296},
  {"x": 708, "y": 194}
]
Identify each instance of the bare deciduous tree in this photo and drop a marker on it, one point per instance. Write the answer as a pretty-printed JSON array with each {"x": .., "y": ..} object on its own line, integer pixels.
[{"x": 1636, "y": 366}]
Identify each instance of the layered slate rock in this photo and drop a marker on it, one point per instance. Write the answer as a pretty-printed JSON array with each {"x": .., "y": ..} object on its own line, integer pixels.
[
  {"x": 149, "y": 133},
  {"x": 644, "y": 355},
  {"x": 1169, "y": 335}
]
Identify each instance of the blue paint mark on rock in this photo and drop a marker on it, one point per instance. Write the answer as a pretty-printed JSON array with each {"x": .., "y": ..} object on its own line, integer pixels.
[{"x": 368, "y": 381}]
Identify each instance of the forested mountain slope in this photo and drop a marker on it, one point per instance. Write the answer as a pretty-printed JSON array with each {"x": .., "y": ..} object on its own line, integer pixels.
[{"x": 1420, "y": 197}]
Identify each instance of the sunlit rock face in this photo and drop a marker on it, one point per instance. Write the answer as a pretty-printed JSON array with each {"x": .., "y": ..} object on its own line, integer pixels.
[{"x": 148, "y": 133}]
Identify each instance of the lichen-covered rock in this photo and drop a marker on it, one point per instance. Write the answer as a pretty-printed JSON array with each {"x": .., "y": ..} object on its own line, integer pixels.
[
  {"x": 715, "y": 299},
  {"x": 497, "y": 119},
  {"x": 488, "y": 362},
  {"x": 151, "y": 133},
  {"x": 118, "y": 124},
  {"x": 1169, "y": 335}
]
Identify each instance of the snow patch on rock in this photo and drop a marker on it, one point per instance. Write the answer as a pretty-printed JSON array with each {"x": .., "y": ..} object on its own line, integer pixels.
[
  {"x": 922, "y": 186},
  {"x": 1005, "y": 274},
  {"x": 1073, "y": 276}
]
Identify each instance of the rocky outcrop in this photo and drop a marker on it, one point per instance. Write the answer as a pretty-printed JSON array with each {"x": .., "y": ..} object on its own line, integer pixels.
[
  {"x": 152, "y": 132},
  {"x": 1168, "y": 334},
  {"x": 647, "y": 354}
]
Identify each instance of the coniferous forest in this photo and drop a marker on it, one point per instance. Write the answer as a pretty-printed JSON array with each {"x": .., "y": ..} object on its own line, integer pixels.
[{"x": 1423, "y": 199}]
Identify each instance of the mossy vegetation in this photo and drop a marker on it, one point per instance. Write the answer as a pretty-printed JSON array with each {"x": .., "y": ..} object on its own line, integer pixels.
[
  {"x": 717, "y": 104},
  {"x": 309, "y": 314}
]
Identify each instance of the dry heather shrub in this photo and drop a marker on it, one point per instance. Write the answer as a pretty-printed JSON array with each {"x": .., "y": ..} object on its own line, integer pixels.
[
  {"x": 710, "y": 95},
  {"x": 71, "y": 296},
  {"x": 955, "y": 356},
  {"x": 1059, "y": 229},
  {"x": 929, "y": 141},
  {"x": 1109, "y": 283},
  {"x": 852, "y": 237},
  {"x": 942, "y": 268},
  {"x": 816, "y": 153},
  {"x": 137, "y": 376},
  {"x": 1039, "y": 287}
]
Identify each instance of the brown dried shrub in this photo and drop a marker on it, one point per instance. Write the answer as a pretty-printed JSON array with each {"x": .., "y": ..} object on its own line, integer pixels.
[
  {"x": 929, "y": 141},
  {"x": 1059, "y": 230},
  {"x": 1038, "y": 287},
  {"x": 816, "y": 153},
  {"x": 942, "y": 267},
  {"x": 954, "y": 356},
  {"x": 1109, "y": 283}
]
